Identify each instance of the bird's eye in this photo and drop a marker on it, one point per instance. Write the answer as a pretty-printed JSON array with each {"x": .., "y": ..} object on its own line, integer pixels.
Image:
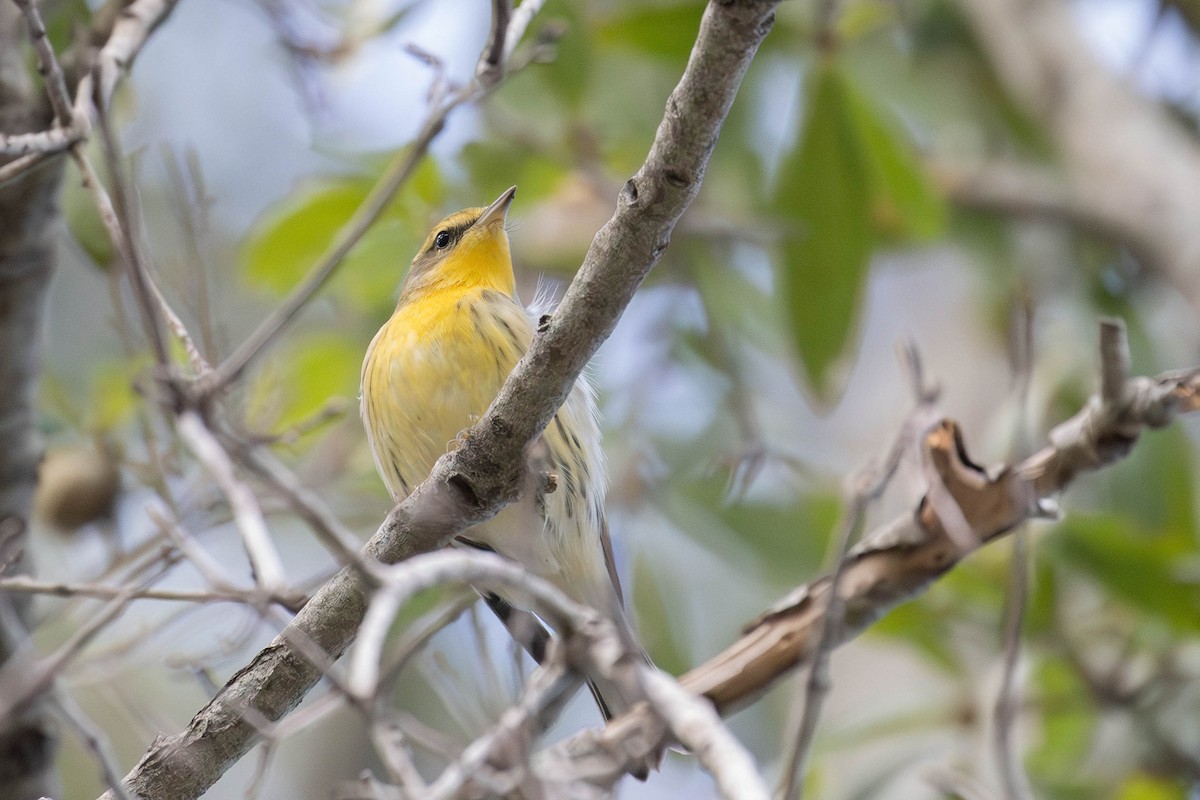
[{"x": 441, "y": 240}]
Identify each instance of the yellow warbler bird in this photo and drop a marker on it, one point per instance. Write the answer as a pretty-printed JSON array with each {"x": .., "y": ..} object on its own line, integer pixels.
[{"x": 435, "y": 367}]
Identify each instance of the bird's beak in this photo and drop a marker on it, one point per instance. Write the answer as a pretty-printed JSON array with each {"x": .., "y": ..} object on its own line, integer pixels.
[{"x": 497, "y": 211}]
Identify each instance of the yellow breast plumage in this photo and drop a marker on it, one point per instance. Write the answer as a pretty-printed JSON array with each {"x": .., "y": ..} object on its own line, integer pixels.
[{"x": 431, "y": 370}]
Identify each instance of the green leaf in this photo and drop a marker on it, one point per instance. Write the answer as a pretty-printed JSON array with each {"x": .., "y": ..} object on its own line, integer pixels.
[
  {"x": 98, "y": 401},
  {"x": 63, "y": 20},
  {"x": 494, "y": 165},
  {"x": 861, "y": 19},
  {"x": 293, "y": 235},
  {"x": 568, "y": 77},
  {"x": 666, "y": 32},
  {"x": 298, "y": 386},
  {"x": 1156, "y": 486},
  {"x": 373, "y": 270},
  {"x": 1141, "y": 786},
  {"x": 83, "y": 220},
  {"x": 917, "y": 624},
  {"x": 113, "y": 400},
  {"x": 850, "y": 183},
  {"x": 904, "y": 204},
  {"x": 788, "y": 540},
  {"x": 658, "y": 619},
  {"x": 823, "y": 185},
  {"x": 1069, "y": 728},
  {"x": 1148, "y": 573}
]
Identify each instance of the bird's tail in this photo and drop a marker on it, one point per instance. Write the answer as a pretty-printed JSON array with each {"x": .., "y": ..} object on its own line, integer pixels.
[
  {"x": 611, "y": 698},
  {"x": 528, "y": 630}
]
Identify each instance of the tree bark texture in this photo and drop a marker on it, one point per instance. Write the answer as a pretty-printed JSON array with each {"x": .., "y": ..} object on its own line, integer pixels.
[{"x": 28, "y": 213}]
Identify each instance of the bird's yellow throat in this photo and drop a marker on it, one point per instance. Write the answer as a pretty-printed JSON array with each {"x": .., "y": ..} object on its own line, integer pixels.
[{"x": 467, "y": 250}]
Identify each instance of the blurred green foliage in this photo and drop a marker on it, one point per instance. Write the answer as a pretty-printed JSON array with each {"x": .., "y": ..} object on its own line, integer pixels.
[
  {"x": 291, "y": 237},
  {"x": 850, "y": 184}
]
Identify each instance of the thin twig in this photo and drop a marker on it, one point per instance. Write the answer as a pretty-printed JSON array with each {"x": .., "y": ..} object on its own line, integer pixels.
[
  {"x": 93, "y": 739},
  {"x": 391, "y": 743},
  {"x": 426, "y": 628},
  {"x": 816, "y": 686},
  {"x": 130, "y": 32},
  {"x": 264, "y": 558},
  {"x": 498, "y": 762},
  {"x": 507, "y": 744},
  {"x": 395, "y": 176},
  {"x": 490, "y": 67},
  {"x": 193, "y": 205},
  {"x": 52, "y": 74},
  {"x": 868, "y": 485},
  {"x": 128, "y": 36},
  {"x": 826, "y": 24},
  {"x": 44, "y": 143},
  {"x": 1007, "y": 701},
  {"x": 695, "y": 723},
  {"x": 119, "y": 221},
  {"x": 1114, "y": 361},
  {"x": 266, "y": 754},
  {"x": 212, "y": 572},
  {"x": 22, "y": 681},
  {"x": 307, "y": 505},
  {"x": 19, "y": 166},
  {"x": 24, "y": 585},
  {"x": 521, "y": 18},
  {"x": 898, "y": 560},
  {"x": 494, "y": 684},
  {"x": 481, "y": 570},
  {"x": 954, "y": 783}
]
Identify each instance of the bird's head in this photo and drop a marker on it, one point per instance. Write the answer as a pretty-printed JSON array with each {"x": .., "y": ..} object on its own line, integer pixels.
[{"x": 468, "y": 248}]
